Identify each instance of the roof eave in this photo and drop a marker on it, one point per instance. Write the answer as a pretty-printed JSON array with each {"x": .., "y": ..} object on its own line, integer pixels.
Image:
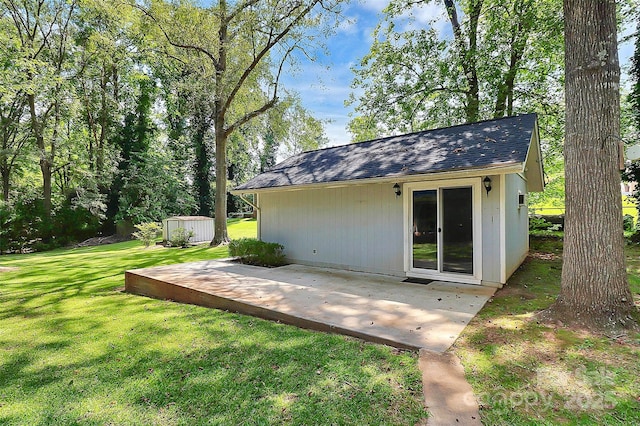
[{"x": 518, "y": 167}]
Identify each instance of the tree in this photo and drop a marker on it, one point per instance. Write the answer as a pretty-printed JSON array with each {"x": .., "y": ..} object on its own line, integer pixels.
[
  {"x": 501, "y": 58},
  {"x": 44, "y": 30},
  {"x": 253, "y": 41},
  {"x": 13, "y": 138},
  {"x": 594, "y": 289}
]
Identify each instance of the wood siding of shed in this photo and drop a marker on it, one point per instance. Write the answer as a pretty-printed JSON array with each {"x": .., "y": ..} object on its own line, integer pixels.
[
  {"x": 517, "y": 223},
  {"x": 491, "y": 233},
  {"x": 352, "y": 227},
  {"x": 202, "y": 229}
]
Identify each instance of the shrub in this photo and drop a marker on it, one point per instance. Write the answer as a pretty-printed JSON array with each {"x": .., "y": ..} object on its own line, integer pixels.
[
  {"x": 538, "y": 224},
  {"x": 256, "y": 252},
  {"x": 147, "y": 232},
  {"x": 627, "y": 222},
  {"x": 180, "y": 237}
]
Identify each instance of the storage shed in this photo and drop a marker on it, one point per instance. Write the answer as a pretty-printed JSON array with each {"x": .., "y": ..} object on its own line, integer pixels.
[
  {"x": 446, "y": 204},
  {"x": 201, "y": 226}
]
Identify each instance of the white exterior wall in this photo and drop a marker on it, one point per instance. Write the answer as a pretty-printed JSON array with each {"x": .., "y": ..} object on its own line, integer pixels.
[
  {"x": 517, "y": 223},
  {"x": 491, "y": 241},
  {"x": 355, "y": 227},
  {"x": 203, "y": 229}
]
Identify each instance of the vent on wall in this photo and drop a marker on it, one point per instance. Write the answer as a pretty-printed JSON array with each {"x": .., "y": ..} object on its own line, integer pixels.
[{"x": 521, "y": 199}]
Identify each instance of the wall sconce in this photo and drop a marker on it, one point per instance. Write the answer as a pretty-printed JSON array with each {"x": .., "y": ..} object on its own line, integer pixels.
[
  {"x": 396, "y": 189},
  {"x": 487, "y": 184}
]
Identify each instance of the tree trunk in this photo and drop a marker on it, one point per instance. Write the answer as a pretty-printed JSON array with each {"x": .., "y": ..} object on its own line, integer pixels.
[
  {"x": 220, "y": 220},
  {"x": 45, "y": 162},
  {"x": 6, "y": 182},
  {"x": 221, "y": 236},
  {"x": 594, "y": 290},
  {"x": 202, "y": 168}
]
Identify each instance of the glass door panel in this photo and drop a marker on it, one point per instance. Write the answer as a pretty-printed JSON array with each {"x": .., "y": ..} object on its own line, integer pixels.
[
  {"x": 425, "y": 229},
  {"x": 457, "y": 230}
]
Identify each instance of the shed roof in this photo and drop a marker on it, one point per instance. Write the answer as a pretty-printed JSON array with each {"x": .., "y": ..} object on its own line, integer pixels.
[
  {"x": 487, "y": 144},
  {"x": 191, "y": 218}
]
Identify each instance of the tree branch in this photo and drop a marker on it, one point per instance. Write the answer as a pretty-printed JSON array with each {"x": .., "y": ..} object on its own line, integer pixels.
[
  {"x": 200, "y": 49},
  {"x": 262, "y": 53}
]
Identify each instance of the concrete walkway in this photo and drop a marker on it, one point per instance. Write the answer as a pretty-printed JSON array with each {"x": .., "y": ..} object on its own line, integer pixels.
[
  {"x": 378, "y": 308},
  {"x": 447, "y": 394}
]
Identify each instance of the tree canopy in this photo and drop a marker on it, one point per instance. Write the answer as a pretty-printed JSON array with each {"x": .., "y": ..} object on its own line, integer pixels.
[{"x": 112, "y": 113}]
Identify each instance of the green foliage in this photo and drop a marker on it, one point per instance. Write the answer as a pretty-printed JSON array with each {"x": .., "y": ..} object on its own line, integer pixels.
[
  {"x": 256, "y": 252},
  {"x": 180, "y": 237},
  {"x": 124, "y": 121},
  {"x": 539, "y": 224},
  {"x": 628, "y": 223},
  {"x": 147, "y": 232},
  {"x": 503, "y": 58}
]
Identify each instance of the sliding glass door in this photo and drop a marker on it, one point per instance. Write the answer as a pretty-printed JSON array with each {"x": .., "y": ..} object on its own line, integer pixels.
[{"x": 442, "y": 230}]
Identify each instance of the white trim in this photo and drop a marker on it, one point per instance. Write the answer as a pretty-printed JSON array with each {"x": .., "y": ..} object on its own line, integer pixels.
[
  {"x": 534, "y": 142},
  {"x": 503, "y": 229},
  {"x": 259, "y": 217},
  {"x": 476, "y": 186},
  {"x": 432, "y": 177}
]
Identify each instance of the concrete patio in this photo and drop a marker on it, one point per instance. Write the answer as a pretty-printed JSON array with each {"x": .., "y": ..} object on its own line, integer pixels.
[{"x": 377, "y": 308}]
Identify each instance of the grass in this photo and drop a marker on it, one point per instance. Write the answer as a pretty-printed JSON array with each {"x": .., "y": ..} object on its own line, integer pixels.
[
  {"x": 76, "y": 350},
  {"x": 526, "y": 373}
]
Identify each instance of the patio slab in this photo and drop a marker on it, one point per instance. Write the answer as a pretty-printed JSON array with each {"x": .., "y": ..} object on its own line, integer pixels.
[{"x": 377, "y": 308}]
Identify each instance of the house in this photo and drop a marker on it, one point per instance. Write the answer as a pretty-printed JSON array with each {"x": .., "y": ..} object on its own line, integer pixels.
[{"x": 447, "y": 204}]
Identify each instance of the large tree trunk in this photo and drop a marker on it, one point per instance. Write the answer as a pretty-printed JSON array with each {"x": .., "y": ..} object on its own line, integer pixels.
[
  {"x": 202, "y": 167},
  {"x": 221, "y": 236},
  {"x": 220, "y": 220},
  {"x": 594, "y": 289}
]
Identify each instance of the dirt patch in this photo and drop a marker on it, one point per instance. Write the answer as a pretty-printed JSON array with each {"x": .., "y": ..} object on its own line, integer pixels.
[
  {"x": 508, "y": 291},
  {"x": 7, "y": 269},
  {"x": 98, "y": 241},
  {"x": 544, "y": 256}
]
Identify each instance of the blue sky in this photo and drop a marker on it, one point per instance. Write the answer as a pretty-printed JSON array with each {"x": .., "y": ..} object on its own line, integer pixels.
[{"x": 325, "y": 84}]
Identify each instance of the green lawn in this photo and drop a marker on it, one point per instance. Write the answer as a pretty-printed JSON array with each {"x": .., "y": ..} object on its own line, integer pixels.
[
  {"x": 74, "y": 349},
  {"x": 526, "y": 373}
]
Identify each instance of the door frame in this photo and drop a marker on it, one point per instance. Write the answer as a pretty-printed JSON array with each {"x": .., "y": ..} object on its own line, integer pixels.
[{"x": 476, "y": 200}]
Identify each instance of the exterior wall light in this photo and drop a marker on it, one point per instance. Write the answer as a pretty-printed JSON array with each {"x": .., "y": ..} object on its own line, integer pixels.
[
  {"x": 396, "y": 189},
  {"x": 487, "y": 184}
]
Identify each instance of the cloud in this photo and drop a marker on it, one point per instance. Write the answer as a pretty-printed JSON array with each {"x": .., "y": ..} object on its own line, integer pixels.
[
  {"x": 374, "y": 5},
  {"x": 348, "y": 26}
]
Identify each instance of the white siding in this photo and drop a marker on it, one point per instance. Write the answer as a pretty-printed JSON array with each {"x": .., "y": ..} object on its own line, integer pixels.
[
  {"x": 517, "y": 223},
  {"x": 355, "y": 227},
  {"x": 202, "y": 228},
  {"x": 491, "y": 233}
]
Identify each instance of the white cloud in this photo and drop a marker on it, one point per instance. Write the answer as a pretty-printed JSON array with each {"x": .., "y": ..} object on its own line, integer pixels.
[
  {"x": 374, "y": 5},
  {"x": 348, "y": 26},
  {"x": 430, "y": 15}
]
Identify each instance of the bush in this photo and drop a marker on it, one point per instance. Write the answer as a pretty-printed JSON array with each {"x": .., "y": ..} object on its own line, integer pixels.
[
  {"x": 147, "y": 232},
  {"x": 537, "y": 223},
  {"x": 256, "y": 252},
  {"x": 180, "y": 237},
  {"x": 628, "y": 224}
]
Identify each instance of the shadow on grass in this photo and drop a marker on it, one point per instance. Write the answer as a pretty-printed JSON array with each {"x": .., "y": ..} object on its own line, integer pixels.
[
  {"x": 76, "y": 351},
  {"x": 529, "y": 373}
]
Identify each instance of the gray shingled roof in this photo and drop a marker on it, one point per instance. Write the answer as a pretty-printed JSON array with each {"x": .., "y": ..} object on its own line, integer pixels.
[{"x": 500, "y": 142}]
